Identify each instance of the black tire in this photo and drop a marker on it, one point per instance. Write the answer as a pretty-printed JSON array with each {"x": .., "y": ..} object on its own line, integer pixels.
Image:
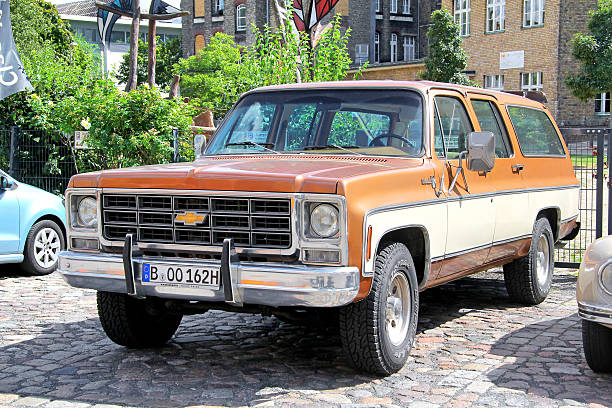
[
  {"x": 30, "y": 264},
  {"x": 597, "y": 345},
  {"x": 136, "y": 323},
  {"x": 521, "y": 275},
  {"x": 363, "y": 325}
]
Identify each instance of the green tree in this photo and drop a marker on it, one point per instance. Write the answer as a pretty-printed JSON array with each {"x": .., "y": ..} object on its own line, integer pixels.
[
  {"x": 168, "y": 54},
  {"x": 446, "y": 59},
  {"x": 594, "y": 51}
]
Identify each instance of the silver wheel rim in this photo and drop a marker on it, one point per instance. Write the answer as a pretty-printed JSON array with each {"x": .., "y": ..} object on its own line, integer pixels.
[
  {"x": 46, "y": 247},
  {"x": 397, "y": 316},
  {"x": 543, "y": 260}
]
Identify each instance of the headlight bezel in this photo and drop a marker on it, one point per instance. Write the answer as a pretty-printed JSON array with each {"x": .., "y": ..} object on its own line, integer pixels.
[
  {"x": 93, "y": 209},
  {"x": 74, "y": 216},
  {"x": 333, "y": 211},
  {"x": 605, "y": 274},
  {"x": 309, "y": 241}
]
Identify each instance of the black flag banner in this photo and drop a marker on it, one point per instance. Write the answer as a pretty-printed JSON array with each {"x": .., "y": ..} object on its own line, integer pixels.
[{"x": 12, "y": 75}]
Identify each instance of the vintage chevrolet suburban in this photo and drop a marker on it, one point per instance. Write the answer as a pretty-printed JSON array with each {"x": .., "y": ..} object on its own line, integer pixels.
[{"x": 348, "y": 198}]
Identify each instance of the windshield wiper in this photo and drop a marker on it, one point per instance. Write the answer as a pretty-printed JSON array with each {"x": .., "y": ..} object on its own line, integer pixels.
[
  {"x": 333, "y": 146},
  {"x": 249, "y": 143}
]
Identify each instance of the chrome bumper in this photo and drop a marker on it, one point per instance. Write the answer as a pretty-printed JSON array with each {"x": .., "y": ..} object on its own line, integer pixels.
[
  {"x": 595, "y": 313},
  {"x": 268, "y": 284}
]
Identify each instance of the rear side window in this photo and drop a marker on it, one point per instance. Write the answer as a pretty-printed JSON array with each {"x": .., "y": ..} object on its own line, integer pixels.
[{"x": 535, "y": 132}]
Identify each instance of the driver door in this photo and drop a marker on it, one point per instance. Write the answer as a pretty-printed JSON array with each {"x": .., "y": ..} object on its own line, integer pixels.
[{"x": 9, "y": 221}]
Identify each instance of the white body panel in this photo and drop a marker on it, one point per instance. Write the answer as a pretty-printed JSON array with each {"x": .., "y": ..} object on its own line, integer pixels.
[{"x": 471, "y": 223}]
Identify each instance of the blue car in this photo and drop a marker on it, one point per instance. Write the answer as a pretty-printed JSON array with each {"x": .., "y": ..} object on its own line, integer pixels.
[{"x": 32, "y": 226}]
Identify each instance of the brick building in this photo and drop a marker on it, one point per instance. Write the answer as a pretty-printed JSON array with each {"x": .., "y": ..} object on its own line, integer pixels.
[
  {"x": 382, "y": 31},
  {"x": 526, "y": 44}
]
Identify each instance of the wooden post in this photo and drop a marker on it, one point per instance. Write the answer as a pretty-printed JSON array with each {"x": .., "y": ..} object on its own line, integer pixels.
[
  {"x": 132, "y": 81},
  {"x": 152, "y": 57}
]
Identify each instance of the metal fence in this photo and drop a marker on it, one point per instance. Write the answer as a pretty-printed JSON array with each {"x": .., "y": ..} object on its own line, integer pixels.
[{"x": 589, "y": 150}]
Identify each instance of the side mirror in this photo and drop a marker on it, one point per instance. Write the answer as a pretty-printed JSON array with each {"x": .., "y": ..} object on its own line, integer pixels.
[
  {"x": 5, "y": 184},
  {"x": 480, "y": 151},
  {"x": 199, "y": 144}
]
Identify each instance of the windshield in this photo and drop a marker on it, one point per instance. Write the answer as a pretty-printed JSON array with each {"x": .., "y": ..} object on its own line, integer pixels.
[{"x": 372, "y": 122}]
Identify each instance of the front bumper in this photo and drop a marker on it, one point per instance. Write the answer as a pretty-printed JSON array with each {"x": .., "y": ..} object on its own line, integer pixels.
[
  {"x": 270, "y": 284},
  {"x": 595, "y": 313}
]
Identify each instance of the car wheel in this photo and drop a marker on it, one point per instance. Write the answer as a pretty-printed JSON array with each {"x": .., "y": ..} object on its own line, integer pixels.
[
  {"x": 136, "y": 323},
  {"x": 42, "y": 247},
  {"x": 597, "y": 345},
  {"x": 528, "y": 279},
  {"x": 377, "y": 333}
]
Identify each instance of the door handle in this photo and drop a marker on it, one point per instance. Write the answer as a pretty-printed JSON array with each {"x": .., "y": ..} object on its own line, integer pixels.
[{"x": 516, "y": 168}]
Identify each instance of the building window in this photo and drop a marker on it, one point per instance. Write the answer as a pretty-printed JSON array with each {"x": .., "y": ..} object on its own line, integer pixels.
[
  {"x": 378, "y": 10},
  {"x": 496, "y": 15},
  {"x": 241, "y": 19},
  {"x": 409, "y": 48},
  {"x": 462, "y": 16},
  {"x": 217, "y": 7},
  {"x": 531, "y": 81},
  {"x": 602, "y": 104},
  {"x": 406, "y": 6},
  {"x": 377, "y": 47},
  {"x": 533, "y": 13},
  {"x": 361, "y": 53},
  {"x": 393, "y": 8},
  {"x": 198, "y": 8},
  {"x": 495, "y": 82},
  {"x": 393, "y": 44}
]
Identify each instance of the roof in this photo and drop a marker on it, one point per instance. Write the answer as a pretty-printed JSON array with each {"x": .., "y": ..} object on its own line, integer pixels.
[
  {"x": 423, "y": 86},
  {"x": 86, "y": 8}
]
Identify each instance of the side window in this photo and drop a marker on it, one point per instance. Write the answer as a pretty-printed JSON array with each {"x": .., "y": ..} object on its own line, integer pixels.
[
  {"x": 490, "y": 120},
  {"x": 301, "y": 125},
  {"x": 357, "y": 128},
  {"x": 535, "y": 132},
  {"x": 453, "y": 124}
]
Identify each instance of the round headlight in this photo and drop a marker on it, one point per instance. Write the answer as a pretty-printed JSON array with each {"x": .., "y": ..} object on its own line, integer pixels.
[
  {"x": 87, "y": 212},
  {"x": 605, "y": 279},
  {"x": 324, "y": 220}
]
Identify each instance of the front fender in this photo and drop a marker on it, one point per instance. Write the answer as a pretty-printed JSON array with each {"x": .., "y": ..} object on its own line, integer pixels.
[{"x": 34, "y": 205}]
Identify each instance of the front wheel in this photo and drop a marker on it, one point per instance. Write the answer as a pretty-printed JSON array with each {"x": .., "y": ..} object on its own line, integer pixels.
[
  {"x": 597, "y": 345},
  {"x": 528, "y": 279},
  {"x": 42, "y": 247},
  {"x": 136, "y": 323},
  {"x": 377, "y": 333}
]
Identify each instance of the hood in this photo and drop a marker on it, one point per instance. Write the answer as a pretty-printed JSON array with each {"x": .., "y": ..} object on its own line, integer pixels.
[{"x": 272, "y": 173}]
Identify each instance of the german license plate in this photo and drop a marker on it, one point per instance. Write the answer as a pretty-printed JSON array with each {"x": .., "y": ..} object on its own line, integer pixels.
[{"x": 208, "y": 277}]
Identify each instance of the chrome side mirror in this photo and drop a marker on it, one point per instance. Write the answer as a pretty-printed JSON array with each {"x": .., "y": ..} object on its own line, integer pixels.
[
  {"x": 199, "y": 144},
  {"x": 480, "y": 151}
]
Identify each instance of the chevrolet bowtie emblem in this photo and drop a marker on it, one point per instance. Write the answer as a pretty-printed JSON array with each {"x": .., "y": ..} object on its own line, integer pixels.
[{"x": 190, "y": 218}]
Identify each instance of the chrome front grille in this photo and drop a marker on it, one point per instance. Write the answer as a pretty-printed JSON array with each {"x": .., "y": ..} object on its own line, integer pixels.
[{"x": 203, "y": 221}]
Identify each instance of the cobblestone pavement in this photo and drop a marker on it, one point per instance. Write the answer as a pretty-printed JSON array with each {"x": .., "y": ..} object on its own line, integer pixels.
[{"x": 474, "y": 348}]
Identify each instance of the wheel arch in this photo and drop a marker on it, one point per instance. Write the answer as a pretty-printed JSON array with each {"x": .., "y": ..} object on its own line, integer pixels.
[
  {"x": 416, "y": 239},
  {"x": 553, "y": 215},
  {"x": 49, "y": 217}
]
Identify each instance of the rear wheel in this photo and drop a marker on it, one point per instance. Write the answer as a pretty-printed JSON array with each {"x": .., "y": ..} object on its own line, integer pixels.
[
  {"x": 377, "y": 333},
  {"x": 136, "y": 323},
  {"x": 597, "y": 345},
  {"x": 528, "y": 279},
  {"x": 43, "y": 245}
]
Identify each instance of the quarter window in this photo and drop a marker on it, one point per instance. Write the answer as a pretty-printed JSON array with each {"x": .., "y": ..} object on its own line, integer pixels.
[
  {"x": 496, "y": 15},
  {"x": 393, "y": 44},
  {"x": 531, "y": 81},
  {"x": 602, "y": 104},
  {"x": 495, "y": 82},
  {"x": 535, "y": 132},
  {"x": 451, "y": 126},
  {"x": 490, "y": 121},
  {"x": 533, "y": 13},
  {"x": 409, "y": 48},
  {"x": 241, "y": 18},
  {"x": 462, "y": 16}
]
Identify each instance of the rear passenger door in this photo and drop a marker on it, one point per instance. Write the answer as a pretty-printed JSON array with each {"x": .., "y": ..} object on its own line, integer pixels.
[{"x": 505, "y": 180}]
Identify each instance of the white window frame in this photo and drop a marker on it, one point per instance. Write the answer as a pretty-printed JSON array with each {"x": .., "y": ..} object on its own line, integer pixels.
[
  {"x": 393, "y": 6},
  {"x": 393, "y": 47},
  {"x": 602, "y": 104},
  {"x": 409, "y": 43},
  {"x": 241, "y": 15},
  {"x": 361, "y": 53},
  {"x": 532, "y": 81},
  {"x": 494, "y": 82},
  {"x": 378, "y": 9},
  {"x": 463, "y": 13},
  {"x": 405, "y": 6},
  {"x": 533, "y": 13},
  {"x": 496, "y": 16},
  {"x": 377, "y": 47}
]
